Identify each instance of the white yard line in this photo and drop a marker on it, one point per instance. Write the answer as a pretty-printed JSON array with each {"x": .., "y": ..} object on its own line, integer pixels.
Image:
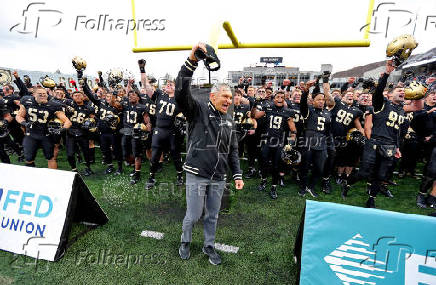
[
  {"x": 152, "y": 234},
  {"x": 218, "y": 246},
  {"x": 226, "y": 248}
]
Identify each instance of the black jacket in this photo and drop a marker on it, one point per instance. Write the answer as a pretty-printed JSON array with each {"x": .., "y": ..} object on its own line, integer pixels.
[{"x": 212, "y": 139}]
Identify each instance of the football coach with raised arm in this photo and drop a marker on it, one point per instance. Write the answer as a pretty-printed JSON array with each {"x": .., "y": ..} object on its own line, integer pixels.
[{"x": 212, "y": 149}]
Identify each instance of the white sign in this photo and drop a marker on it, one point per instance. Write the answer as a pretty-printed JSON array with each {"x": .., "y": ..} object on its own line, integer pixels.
[{"x": 34, "y": 207}]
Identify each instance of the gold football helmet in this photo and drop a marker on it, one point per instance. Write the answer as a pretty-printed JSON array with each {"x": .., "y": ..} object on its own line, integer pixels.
[
  {"x": 79, "y": 63},
  {"x": 415, "y": 91},
  {"x": 47, "y": 82},
  {"x": 401, "y": 48}
]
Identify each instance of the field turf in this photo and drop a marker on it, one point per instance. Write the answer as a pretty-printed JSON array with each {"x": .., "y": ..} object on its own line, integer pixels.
[{"x": 263, "y": 229}]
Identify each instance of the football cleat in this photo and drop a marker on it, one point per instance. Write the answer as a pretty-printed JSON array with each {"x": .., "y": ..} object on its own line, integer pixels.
[
  {"x": 385, "y": 191},
  {"x": 371, "y": 202},
  {"x": 326, "y": 186},
  {"x": 344, "y": 189},
  {"x": 421, "y": 200},
  {"x": 88, "y": 172},
  {"x": 282, "y": 181},
  {"x": 302, "y": 192},
  {"x": 135, "y": 178},
  {"x": 431, "y": 201},
  {"x": 251, "y": 173},
  {"x": 262, "y": 185},
  {"x": 179, "y": 179},
  {"x": 312, "y": 192},
  {"x": 150, "y": 183},
  {"x": 109, "y": 169},
  {"x": 273, "y": 192}
]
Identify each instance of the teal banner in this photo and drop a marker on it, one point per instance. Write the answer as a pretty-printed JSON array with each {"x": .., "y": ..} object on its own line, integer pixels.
[{"x": 352, "y": 245}]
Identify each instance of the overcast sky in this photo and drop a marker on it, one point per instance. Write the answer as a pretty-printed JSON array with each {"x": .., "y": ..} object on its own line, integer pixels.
[{"x": 69, "y": 28}]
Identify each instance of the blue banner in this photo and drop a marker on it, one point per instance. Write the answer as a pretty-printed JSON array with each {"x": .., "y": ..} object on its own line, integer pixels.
[{"x": 352, "y": 245}]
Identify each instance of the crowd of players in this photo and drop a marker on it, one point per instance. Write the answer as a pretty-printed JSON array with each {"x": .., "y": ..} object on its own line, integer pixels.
[{"x": 313, "y": 132}]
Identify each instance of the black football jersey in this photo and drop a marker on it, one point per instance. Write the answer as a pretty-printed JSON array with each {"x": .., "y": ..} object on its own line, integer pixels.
[
  {"x": 424, "y": 123},
  {"x": 105, "y": 109},
  {"x": 277, "y": 120},
  {"x": 39, "y": 114},
  {"x": 166, "y": 111},
  {"x": 317, "y": 129},
  {"x": 262, "y": 123},
  {"x": 151, "y": 107},
  {"x": 343, "y": 117},
  {"x": 297, "y": 117},
  {"x": 133, "y": 114},
  {"x": 78, "y": 113},
  {"x": 388, "y": 123},
  {"x": 240, "y": 112}
]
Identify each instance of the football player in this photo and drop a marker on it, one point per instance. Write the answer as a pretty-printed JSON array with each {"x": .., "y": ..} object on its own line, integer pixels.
[
  {"x": 12, "y": 102},
  {"x": 164, "y": 134},
  {"x": 5, "y": 120},
  {"x": 384, "y": 127},
  {"x": 78, "y": 112},
  {"x": 34, "y": 115},
  {"x": 426, "y": 120},
  {"x": 245, "y": 126},
  {"x": 344, "y": 117},
  {"x": 134, "y": 113},
  {"x": 259, "y": 135},
  {"x": 109, "y": 112},
  {"x": 317, "y": 121},
  {"x": 294, "y": 105},
  {"x": 279, "y": 121}
]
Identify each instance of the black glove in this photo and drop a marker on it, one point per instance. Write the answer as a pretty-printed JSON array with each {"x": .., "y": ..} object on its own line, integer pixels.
[
  {"x": 326, "y": 76},
  {"x": 141, "y": 64},
  {"x": 27, "y": 81},
  {"x": 407, "y": 75},
  {"x": 25, "y": 124},
  {"x": 368, "y": 83}
]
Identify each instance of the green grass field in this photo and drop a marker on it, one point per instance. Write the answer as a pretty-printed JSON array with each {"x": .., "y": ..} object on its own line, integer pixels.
[{"x": 263, "y": 229}]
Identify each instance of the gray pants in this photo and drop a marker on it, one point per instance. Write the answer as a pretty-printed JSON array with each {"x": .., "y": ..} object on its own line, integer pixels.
[{"x": 202, "y": 193}]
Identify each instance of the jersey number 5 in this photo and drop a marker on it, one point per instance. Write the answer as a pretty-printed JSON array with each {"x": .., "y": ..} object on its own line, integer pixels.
[{"x": 320, "y": 126}]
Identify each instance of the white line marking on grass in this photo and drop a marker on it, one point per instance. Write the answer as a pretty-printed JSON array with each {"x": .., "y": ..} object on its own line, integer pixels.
[
  {"x": 226, "y": 248},
  {"x": 152, "y": 234}
]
